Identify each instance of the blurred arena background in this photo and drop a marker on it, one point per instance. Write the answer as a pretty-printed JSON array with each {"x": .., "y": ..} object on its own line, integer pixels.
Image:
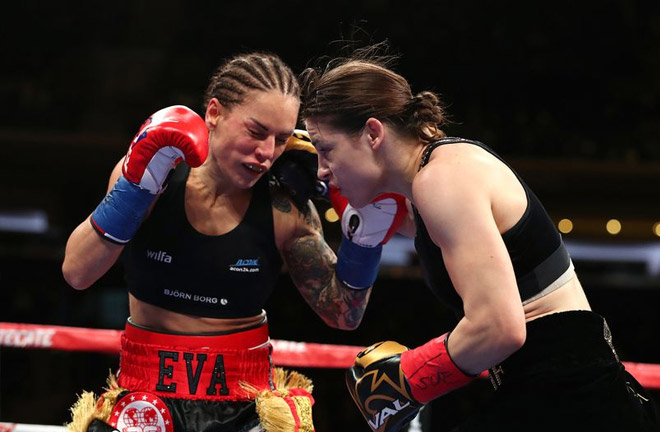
[{"x": 567, "y": 91}]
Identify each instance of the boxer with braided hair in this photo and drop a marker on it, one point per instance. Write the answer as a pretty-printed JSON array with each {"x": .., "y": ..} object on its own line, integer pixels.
[
  {"x": 204, "y": 214},
  {"x": 487, "y": 248}
]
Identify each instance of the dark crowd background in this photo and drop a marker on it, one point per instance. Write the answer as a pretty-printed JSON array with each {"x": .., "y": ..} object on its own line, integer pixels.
[{"x": 567, "y": 91}]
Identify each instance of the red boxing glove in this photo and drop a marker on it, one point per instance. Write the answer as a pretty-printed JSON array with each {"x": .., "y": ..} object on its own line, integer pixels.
[
  {"x": 170, "y": 135},
  {"x": 167, "y": 137}
]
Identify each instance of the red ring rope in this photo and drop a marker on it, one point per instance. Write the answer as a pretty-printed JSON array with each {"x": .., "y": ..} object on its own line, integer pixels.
[{"x": 285, "y": 353}]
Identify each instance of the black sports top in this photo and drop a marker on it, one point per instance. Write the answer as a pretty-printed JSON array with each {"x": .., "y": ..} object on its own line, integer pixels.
[
  {"x": 171, "y": 265},
  {"x": 535, "y": 246}
]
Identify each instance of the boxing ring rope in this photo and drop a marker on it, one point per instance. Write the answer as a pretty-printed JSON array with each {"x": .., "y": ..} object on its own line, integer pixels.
[{"x": 285, "y": 353}]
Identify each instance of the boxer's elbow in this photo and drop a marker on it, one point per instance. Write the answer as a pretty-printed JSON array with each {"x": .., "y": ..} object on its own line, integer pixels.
[
  {"x": 341, "y": 322},
  {"x": 514, "y": 339},
  {"x": 510, "y": 335},
  {"x": 349, "y": 326},
  {"x": 74, "y": 277}
]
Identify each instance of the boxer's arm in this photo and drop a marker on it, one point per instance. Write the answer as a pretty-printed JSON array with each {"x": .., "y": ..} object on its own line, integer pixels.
[
  {"x": 460, "y": 220},
  {"x": 87, "y": 256},
  {"x": 311, "y": 265},
  {"x": 388, "y": 382},
  {"x": 167, "y": 137}
]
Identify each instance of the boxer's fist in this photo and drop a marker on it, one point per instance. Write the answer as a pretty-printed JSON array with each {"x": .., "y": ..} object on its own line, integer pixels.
[
  {"x": 296, "y": 169},
  {"x": 170, "y": 135},
  {"x": 167, "y": 137},
  {"x": 365, "y": 231},
  {"x": 380, "y": 389},
  {"x": 374, "y": 224},
  {"x": 390, "y": 383}
]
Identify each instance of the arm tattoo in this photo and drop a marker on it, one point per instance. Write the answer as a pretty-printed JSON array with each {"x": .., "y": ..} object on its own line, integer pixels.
[{"x": 311, "y": 264}]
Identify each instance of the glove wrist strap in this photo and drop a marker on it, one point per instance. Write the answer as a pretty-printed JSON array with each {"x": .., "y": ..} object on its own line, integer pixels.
[
  {"x": 357, "y": 266},
  {"x": 424, "y": 364},
  {"x": 118, "y": 217}
]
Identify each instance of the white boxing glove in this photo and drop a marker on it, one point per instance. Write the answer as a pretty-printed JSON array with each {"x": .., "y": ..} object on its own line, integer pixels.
[{"x": 365, "y": 231}]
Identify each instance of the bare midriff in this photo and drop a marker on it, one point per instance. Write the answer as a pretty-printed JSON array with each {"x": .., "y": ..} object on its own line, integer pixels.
[
  {"x": 154, "y": 317},
  {"x": 567, "y": 297}
]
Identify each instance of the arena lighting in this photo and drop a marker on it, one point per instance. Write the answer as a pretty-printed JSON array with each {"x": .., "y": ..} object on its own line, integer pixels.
[
  {"x": 28, "y": 221},
  {"x": 656, "y": 229},
  {"x": 613, "y": 226},
  {"x": 331, "y": 215},
  {"x": 565, "y": 226}
]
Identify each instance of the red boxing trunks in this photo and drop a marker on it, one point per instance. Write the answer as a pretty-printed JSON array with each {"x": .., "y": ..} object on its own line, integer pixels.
[{"x": 197, "y": 367}]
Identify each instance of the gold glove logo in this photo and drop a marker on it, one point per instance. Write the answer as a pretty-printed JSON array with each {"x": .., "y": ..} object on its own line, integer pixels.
[
  {"x": 380, "y": 417},
  {"x": 379, "y": 388},
  {"x": 376, "y": 381},
  {"x": 372, "y": 408},
  {"x": 377, "y": 352}
]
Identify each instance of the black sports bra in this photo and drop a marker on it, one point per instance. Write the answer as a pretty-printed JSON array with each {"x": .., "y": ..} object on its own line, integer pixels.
[
  {"x": 537, "y": 251},
  {"x": 171, "y": 265}
]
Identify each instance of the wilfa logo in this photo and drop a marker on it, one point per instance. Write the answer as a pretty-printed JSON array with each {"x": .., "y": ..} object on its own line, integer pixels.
[
  {"x": 245, "y": 265},
  {"x": 161, "y": 256},
  {"x": 379, "y": 418}
]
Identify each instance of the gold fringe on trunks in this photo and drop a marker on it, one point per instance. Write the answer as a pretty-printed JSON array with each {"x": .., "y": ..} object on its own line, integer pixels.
[
  {"x": 288, "y": 408},
  {"x": 89, "y": 407}
]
